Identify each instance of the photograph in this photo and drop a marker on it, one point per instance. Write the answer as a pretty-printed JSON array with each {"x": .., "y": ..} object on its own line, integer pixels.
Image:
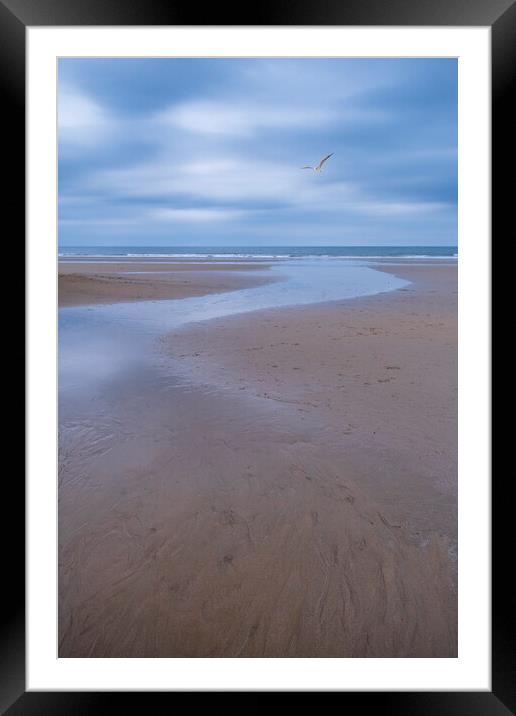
[{"x": 257, "y": 357}]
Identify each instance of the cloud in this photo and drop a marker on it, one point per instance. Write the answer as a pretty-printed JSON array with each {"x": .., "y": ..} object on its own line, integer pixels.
[
  {"x": 197, "y": 144},
  {"x": 196, "y": 214},
  {"x": 82, "y": 121},
  {"x": 222, "y": 178},
  {"x": 396, "y": 208},
  {"x": 241, "y": 119},
  {"x": 114, "y": 221},
  {"x": 250, "y": 186}
]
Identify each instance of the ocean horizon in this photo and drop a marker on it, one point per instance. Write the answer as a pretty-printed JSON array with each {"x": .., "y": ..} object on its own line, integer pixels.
[{"x": 263, "y": 252}]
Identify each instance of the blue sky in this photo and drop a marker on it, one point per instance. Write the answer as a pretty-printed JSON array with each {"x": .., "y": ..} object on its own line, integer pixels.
[{"x": 207, "y": 152}]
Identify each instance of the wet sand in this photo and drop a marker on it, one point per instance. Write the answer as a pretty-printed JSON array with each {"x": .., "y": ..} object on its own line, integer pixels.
[
  {"x": 109, "y": 281},
  {"x": 380, "y": 372},
  {"x": 290, "y": 492}
]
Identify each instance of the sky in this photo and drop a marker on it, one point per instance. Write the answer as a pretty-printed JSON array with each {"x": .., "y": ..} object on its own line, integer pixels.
[{"x": 208, "y": 152}]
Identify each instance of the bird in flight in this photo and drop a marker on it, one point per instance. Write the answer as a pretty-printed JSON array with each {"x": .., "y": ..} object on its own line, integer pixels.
[{"x": 319, "y": 166}]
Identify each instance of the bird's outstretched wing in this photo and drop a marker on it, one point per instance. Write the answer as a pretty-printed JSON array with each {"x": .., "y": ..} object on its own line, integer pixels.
[
  {"x": 306, "y": 167},
  {"x": 324, "y": 160}
]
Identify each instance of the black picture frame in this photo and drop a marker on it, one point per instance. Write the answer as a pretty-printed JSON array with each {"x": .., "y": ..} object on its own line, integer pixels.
[{"x": 15, "y": 17}]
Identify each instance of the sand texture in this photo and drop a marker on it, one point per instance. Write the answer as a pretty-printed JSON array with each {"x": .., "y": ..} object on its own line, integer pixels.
[
  {"x": 81, "y": 283},
  {"x": 290, "y": 492}
]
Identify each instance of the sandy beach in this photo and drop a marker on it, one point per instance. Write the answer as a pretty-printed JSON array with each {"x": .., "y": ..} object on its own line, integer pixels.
[
  {"x": 379, "y": 372},
  {"x": 284, "y": 486},
  {"x": 113, "y": 281}
]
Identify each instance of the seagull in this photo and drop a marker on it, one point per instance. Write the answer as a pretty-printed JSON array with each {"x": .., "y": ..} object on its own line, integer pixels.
[{"x": 319, "y": 166}]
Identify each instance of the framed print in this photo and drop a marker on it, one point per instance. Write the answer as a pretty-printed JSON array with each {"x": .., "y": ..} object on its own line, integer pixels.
[{"x": 258, "y": 369}]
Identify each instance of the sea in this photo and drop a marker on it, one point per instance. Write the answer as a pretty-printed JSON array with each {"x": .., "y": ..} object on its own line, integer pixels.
[{"x": 262, "y": 252}]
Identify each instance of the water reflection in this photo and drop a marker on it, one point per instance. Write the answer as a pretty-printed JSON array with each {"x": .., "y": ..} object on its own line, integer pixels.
[{"x": 97, "y": 343}]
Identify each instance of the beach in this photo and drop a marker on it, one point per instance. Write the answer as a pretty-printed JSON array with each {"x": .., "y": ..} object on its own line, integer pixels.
[
  {"x": 275, "y": 483},
  {"x": 86, "y": 282}
]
